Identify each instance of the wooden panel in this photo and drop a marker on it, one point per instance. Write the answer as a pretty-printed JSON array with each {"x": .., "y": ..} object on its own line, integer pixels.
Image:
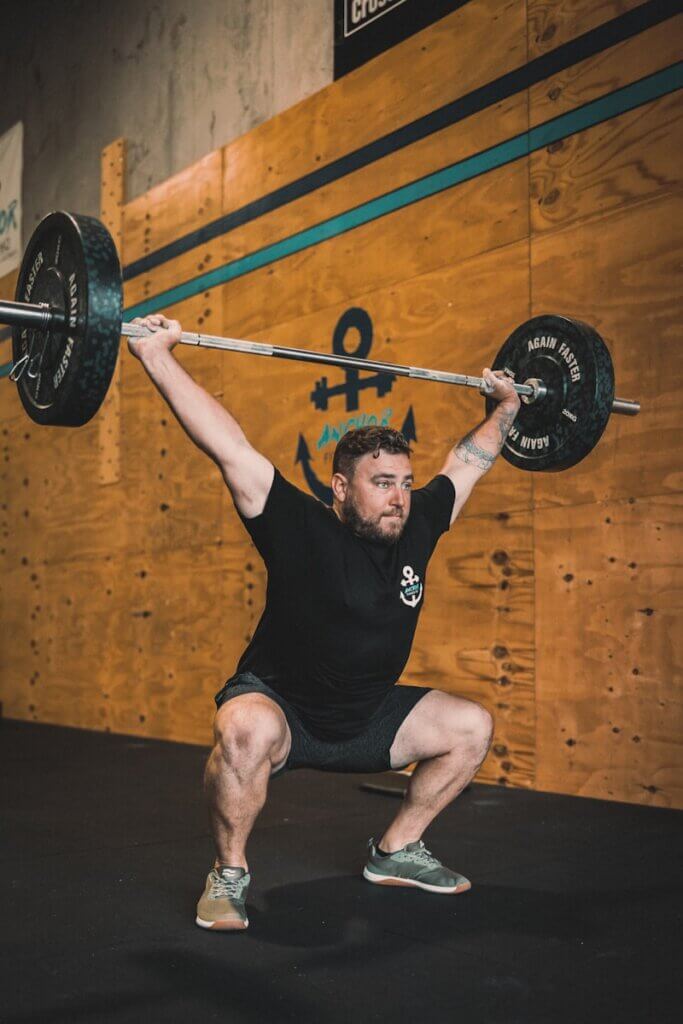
[
  {"x": 609, "y": 647},
  {"x": 175, "y": 494},
  {"x": 476, "y": 634},
  {"x": 180, "y": 204},
  {"x": 451, "y": 319},
  {"x": 621, "y": 273},
  {"x": 112, "y": 197},
  {"x": 622, "y": 64},
  {"x": 135, "y": 644},
  {"x": 8, "y": 285},
  {"x": 406, "y": 82},
  {"x": 446, "y": 147},
  {"x": 435, "y": 232},
  {"x": 57, "y": 508},
  {"x": 619, "y": 162},
  {"x": 553, "y": 22}
]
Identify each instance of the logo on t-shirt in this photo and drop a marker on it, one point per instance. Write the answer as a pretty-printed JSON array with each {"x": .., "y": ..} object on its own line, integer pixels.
[{"x": 411, "y": 588}]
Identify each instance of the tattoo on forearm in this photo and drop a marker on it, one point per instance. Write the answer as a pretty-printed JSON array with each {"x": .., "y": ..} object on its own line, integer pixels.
[
  {"x": 504, "y": 424},
  {"x": 468, "y": 450}
]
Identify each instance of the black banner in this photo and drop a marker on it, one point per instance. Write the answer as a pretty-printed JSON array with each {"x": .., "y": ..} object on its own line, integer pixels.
[{"x": 364, "y": 28}]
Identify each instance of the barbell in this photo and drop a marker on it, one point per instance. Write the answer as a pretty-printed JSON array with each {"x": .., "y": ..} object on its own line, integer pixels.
[{"x": 67, "y": 325}]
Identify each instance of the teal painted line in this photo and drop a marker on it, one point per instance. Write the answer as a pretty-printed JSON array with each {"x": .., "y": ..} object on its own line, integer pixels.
[
  {"x": 5, "y": 370},
  {"x": 619, "y": 102}
]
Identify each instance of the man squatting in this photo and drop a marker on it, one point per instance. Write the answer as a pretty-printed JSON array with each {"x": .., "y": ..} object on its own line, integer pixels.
[{"x": 316, "y": 686}]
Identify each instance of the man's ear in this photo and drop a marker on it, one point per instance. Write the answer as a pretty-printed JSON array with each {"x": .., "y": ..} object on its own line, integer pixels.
[{"x": 340, "y": 487}]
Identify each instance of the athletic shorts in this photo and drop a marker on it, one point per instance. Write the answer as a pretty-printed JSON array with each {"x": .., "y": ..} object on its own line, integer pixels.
[{"x": 367, "y": 752}]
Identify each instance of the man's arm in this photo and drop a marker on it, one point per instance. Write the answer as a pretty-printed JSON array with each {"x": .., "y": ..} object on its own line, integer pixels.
[
  {"x": 476, "y": 452},
  {"x": 248, "y": 474}
]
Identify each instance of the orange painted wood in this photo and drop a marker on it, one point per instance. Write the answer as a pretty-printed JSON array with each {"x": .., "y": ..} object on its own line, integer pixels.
[
  {"x": 554, "y": 22},
  {"x": 608, "y": 649}
]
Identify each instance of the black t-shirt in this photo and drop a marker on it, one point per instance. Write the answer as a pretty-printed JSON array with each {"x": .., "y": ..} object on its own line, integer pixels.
[{"x": 341, "y": 611}]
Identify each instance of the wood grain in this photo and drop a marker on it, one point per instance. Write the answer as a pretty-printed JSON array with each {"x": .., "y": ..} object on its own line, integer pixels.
[
  {"x": 615, "y": 67},
  {"x": 622, "y": 161},
  {"x": 554, "y": 22},
  {"x": 476, "y": 634},
  {"x": 609, "y": 649},
  {"x": 178, "y": 205},
  {"x": 620, "y": 273}
]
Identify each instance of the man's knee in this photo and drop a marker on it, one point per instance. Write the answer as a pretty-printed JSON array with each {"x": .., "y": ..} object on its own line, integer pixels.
[
  {"x": 251, "y": 727},
  {"x": 476, "y": 725}
]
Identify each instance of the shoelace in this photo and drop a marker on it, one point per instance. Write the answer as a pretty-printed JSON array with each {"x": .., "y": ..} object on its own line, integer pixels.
[
  {"x": 231, "y": 887},
  {"x": 424, "y": 856}
]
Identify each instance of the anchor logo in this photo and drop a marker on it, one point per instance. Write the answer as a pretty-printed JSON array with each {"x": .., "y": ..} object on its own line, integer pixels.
[
  {"x": 353, "y": 385},
  {"x": 411, "y": 588},
  {"x": 352, "y": 319}
]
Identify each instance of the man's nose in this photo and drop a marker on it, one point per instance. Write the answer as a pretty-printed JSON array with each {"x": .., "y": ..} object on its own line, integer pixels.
[{"x": 398, "y": 497}]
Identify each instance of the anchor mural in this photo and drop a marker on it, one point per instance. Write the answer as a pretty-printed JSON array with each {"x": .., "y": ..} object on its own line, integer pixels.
[
  {"x": 351, "y": 388},
  {"x": 383, "y": 382}
]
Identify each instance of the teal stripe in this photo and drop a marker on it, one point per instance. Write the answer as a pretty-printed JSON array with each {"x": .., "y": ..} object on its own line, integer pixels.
[{"x": 619, "y": 102}]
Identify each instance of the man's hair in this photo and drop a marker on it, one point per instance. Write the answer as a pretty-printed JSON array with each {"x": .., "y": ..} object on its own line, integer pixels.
[{"x": 357, "y": 443}]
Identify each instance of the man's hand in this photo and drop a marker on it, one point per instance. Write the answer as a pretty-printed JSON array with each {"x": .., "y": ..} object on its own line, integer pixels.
[
  {"x": 499, "y": 386},
  {"x": 163, "y": 335}
]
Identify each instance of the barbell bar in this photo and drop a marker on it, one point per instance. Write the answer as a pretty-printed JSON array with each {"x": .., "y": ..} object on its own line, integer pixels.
[
  {"x": 43, "y": 318},
  {"x": 67, "y": 321}
]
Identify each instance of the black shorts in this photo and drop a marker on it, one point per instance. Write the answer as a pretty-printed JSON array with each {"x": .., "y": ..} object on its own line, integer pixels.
[{"x": 367, "y": 752}]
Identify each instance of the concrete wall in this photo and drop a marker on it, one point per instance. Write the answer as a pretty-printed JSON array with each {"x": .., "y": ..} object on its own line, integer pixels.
[{"x": 177, "y": 79}]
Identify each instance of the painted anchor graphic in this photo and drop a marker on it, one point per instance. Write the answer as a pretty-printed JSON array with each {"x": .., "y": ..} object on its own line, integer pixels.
[
  {"x": 383, "y": 383},
  {"x": 353, "y": 385}
]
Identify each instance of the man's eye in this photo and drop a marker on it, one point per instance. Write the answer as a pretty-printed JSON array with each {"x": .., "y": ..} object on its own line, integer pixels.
[{"x": 382, "y": 483}]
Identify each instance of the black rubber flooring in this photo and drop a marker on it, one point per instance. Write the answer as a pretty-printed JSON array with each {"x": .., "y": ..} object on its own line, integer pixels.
[{"x": 575, "y": 912}]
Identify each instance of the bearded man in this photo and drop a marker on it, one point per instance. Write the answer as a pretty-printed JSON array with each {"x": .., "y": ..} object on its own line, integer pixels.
[{"x": 316, "y": 686}]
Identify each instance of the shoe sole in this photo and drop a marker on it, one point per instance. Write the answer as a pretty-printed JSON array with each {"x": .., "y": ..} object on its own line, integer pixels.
[
  {"x": 222, "y": 926},
  {"x": 392, "y": 880}
]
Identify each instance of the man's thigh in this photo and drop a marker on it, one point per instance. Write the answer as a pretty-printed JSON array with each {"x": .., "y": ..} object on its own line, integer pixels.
[{"x": 436, "y": 725}]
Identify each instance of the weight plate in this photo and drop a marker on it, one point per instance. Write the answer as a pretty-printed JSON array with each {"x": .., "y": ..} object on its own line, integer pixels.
[
  {"x": 573, "y": 362},
  {"x": 71, "y": 264}
]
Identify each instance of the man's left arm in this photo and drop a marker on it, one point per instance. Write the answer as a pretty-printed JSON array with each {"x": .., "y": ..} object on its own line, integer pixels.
[{"x": 476, "y": 452}]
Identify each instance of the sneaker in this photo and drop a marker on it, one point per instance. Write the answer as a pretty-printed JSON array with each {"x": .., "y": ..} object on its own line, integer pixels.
[
  {"x": 413, "y": 865},
  {"x": 222, "y": 905}
]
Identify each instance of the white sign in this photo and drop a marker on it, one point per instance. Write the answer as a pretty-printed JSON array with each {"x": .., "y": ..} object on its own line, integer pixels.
[
  {"x": 359, "y": 13},
  {"x": 11, "y": 161}
]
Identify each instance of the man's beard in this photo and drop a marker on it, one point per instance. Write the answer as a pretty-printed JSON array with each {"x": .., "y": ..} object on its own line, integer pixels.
[{"x": 365, "y": 528}]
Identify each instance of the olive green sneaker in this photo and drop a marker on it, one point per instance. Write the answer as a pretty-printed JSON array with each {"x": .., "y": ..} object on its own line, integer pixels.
[
  {"x": 222, "y": 905},
  {"x": 413, "y": 865}
]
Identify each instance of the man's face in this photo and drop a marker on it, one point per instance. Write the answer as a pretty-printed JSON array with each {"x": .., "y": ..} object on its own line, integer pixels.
[{"x": 375, "y": 503}]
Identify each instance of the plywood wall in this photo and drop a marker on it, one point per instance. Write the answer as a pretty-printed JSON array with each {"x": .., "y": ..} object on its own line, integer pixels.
[{"x": 128, "y": 586}]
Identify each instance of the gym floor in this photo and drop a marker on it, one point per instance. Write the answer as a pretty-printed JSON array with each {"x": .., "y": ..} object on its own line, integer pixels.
[{"x": 575, "y": 912}]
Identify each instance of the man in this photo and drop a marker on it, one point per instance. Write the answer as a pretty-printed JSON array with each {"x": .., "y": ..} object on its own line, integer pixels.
[{"x": 316, "y": 685}]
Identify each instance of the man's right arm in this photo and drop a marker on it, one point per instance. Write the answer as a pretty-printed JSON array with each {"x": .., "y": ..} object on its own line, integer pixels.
[{"x": 247, "y": 473}]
